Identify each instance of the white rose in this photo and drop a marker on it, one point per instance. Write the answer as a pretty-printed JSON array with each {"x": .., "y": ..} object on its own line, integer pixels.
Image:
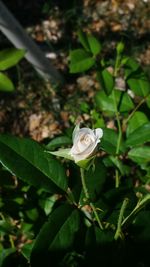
[{"x": 85, "y": 142}]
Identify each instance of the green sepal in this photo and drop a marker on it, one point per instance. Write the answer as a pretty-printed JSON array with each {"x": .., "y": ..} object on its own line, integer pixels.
[{"x": 63, "y": 152}]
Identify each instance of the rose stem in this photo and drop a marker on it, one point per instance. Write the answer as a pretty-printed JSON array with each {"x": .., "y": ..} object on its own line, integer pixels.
[
  {"x": 116, "y": 68},
  {"x": 120, "y": 219},
  {"x": 88, "y": 198}
]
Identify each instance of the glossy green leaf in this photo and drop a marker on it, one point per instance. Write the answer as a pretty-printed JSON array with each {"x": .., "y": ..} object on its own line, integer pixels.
[
  {"x": 48, "y": 203},
  {"x": 80, "y": 61},
  {"x": 57, "y": 234},
  {"x": 95, "y": 179},
  {"x": 10, "y": 57},
  {"x": 94, "y": 44},
  {"x": 140, "y": 154},
  {"x": 106, "y": 103},
  {"x": 106, "y": 81},
  {"x": 140, "y": 136},
  {"x": 5, "y": 83},
  {"x": 83, "y": 40},
  {"x": 27, "y": 160},
  {"x": 138, "y": 119},
  {"x": 140, "y": 85},
  {"x": 59, "y": 141},
  {"x": 109, "y": 141}
]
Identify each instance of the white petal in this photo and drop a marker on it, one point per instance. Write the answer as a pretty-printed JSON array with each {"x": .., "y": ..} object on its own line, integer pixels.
[
  {"x": 98, "y": 133},
  {"x": 75, "y": 132}
]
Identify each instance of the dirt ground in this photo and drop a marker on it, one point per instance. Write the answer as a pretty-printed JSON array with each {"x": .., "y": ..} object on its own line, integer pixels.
[{"x": 40, "y": 111}]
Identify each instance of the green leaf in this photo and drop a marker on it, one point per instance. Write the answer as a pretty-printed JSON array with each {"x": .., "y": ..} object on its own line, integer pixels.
[
  {"x": 26, "y": 250},
  {"x": 57, "y": 234},
  {"x": 140, "y": 154},
  {"x": 95, "y": 179},
  {"x": 10, "y": 57},
  {"x": 137, "y": 120},
  {"x": 94, "y": 44},
  {"x": 47, "y": 203},
  {"x": 140, "y": 86},
  {"x": 80, "y": 61},
  {"x": 106, "y": 81},
  {"x": 140, "y": 136},
  {"x": 109, "y": 141},
  {"x": 131, "y": 66},
  {"x": 59, "y": 141},
  {"x": 106, "y": 103},
  {"x": 32, "y": 214},
  {"x": 83, "y": 40},
  {"x": 5, "y": 83},
  {"x": 26, "y": 159}
]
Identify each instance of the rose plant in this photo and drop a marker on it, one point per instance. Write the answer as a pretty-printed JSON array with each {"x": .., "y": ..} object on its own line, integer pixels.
[
  {"x": 92, "y": 186},
  {"x": 85, "y": 142}
]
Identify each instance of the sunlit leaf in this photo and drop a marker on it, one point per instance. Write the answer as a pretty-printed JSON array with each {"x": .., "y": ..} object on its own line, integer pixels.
[
  {"x": 80, "y": 61},
  {"x": 83, "y": 40},
  {"x": 10, "y": 57},
  {"x": 5, "y": 83},
  {"x": 94, "y": 44}
]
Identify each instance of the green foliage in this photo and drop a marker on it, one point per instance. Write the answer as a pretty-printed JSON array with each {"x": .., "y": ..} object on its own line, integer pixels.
[
  {"x": 140, "y": 154},
  {"x": 106, "y": 103},
  {"x": 138, "y": 119},
  {"x": 68, "y": 213},
  {"x": 106, "y": 81},
  {"x": 109, "y": 141},
  {"x": 65, "y": 223},
  {"x": 28, "y": 161},
  {"x": 80, "y": 61},
  {"x": 9, "y": 58},
  {"x": 94, "y": 45},
  {"x": 140, "y": 136},
  {"x": 5, "y": 83}
]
